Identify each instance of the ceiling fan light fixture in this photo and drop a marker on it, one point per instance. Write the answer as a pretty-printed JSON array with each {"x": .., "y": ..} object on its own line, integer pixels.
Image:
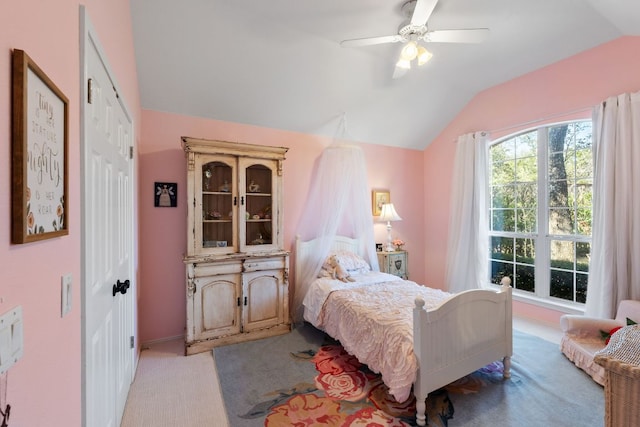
[
  {"x": 423, "y": 55},
  {"x": 409, "y": 51},
  {"x": 414, "y": 30},
  {"x": 404, "y": 64}
]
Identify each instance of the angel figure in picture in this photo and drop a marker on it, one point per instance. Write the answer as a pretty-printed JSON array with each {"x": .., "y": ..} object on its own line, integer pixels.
[{"x": 164, "y": 192}]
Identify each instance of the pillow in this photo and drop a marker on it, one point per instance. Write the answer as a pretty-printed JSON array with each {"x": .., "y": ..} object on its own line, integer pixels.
[{"x": 351, "y": 262}]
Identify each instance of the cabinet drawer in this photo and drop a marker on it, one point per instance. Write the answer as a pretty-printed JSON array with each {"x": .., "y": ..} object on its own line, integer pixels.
[
  {"x": 265, "y": 264},
  {"x": 217, "y": 268}
]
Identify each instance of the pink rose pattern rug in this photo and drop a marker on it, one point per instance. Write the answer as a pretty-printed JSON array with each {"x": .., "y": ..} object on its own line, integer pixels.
[{"x": 346, "y": 393}]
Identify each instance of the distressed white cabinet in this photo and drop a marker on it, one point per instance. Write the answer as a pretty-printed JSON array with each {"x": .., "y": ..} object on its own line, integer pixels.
[{"x": 237, "y": 271}]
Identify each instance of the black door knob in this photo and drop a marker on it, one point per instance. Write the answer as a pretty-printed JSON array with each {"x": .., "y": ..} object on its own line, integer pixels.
[{"x": 121, "y": 287}]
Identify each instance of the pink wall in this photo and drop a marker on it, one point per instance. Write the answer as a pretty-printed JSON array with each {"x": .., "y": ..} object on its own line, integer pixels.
[
  {"x": 44, "y": 386},
  {"x": 163, "y": 230},
  {"x": 572, "y": 86}
]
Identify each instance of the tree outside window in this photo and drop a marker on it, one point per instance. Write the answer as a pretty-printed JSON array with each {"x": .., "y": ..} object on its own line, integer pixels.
[{"x": 541, "y": 191}]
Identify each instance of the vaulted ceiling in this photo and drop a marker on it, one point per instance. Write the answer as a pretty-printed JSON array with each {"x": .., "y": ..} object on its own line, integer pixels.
[{"x": 279, "y": 63}]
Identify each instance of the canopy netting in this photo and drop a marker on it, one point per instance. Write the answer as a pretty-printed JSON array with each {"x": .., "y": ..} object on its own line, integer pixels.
[{"x": 337, "y": 204}]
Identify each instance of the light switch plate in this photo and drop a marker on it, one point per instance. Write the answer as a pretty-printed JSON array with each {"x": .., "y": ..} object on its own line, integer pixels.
[{"x": 67, "y": 293}]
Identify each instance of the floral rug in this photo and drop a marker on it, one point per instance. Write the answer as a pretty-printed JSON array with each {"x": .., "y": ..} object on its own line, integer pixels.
[
  {"x": 345, "y": 393},
  {"x": 305, "y": 378}
]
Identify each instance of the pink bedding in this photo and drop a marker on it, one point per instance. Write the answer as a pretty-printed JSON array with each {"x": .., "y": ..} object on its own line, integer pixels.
[{"x": 374, "y": 322}]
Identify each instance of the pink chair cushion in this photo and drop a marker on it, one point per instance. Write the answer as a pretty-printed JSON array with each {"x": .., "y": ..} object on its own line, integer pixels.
[
  {"x": 581, "y": 354},
  {"x": 582, "y": 336}
]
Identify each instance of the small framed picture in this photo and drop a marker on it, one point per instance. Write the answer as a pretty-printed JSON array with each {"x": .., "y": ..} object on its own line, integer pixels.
[
  {"x": 378, "y": 247},
  {"x": 165, "y": 194},
  {"x": 379, "y": 198}
]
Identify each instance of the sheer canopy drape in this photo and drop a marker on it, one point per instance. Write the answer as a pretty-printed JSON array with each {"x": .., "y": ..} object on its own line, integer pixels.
[
  {"x": 337, "y": 204},
  {"x": 614, "y": 266},
  {"x": 468, "y": 237}
]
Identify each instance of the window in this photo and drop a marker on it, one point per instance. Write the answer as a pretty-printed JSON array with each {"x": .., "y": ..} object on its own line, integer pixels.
[{"x": 541, "y": 188}]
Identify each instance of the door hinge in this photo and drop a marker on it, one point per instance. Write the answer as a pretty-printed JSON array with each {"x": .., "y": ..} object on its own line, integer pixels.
[
  {"x": 89, "y": 91},
  {"x": 131, "y": 152},
  {"x": 131, "y": 341}
]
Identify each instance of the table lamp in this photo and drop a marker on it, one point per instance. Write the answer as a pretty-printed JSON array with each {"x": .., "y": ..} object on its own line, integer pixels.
[{"x": 388, "y": 213}]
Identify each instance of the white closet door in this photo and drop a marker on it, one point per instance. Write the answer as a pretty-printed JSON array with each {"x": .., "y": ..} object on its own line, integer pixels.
[{"x": 108, "y": 325}]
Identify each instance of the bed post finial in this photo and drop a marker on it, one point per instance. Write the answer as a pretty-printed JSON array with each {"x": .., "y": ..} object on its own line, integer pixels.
[
  {"x": 505, "y": 282},
  {"x": 419, "y": 302}
]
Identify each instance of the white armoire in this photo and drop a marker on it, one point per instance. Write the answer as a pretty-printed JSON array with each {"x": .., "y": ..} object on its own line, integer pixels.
[{"x": 237, "y": 271}]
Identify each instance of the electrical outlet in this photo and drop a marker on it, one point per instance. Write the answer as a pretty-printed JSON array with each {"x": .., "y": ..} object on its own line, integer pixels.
[
  {"x": 67, "y": 293},
  {"x": 11, "y": 338}
]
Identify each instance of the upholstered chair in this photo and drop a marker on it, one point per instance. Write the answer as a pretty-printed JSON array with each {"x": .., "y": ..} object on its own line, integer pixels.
[{"x": 583, "y": 336}]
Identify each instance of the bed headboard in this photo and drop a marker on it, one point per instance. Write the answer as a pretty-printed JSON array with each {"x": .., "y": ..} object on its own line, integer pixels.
[{"x": 304, "y": 249}]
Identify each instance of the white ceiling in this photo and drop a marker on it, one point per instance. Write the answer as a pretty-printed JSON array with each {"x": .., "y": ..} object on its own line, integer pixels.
[{"x": 279, "y": 64}]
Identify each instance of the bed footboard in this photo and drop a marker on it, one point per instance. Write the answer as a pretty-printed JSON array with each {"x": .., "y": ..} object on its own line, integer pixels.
[{"x": 465, "y": 333}]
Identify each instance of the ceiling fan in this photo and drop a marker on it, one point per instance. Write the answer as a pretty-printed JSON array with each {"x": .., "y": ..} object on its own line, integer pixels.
[{"x": 415, "y": 30}]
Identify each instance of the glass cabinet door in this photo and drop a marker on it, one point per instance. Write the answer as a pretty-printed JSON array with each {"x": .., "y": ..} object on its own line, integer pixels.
[
  {"x": 260, "y": 225},
  {"x": 216, "y": 187}
]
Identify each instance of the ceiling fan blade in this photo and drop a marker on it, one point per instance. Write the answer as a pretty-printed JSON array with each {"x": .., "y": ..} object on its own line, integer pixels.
[
  {"x": 422, "y": 11},
  {"x": 370, "y": 41},
  {"x": 472, "y": 35}
]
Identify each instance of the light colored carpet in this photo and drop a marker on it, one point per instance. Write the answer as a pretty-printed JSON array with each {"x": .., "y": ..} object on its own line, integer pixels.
[{"x": 172, "y": 390}]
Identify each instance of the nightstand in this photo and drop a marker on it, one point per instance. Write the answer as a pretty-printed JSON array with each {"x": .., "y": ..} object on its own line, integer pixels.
[{"x": 394, "y": 263}]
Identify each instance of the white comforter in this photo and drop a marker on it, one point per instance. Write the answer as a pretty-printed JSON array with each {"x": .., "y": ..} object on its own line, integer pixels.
[{"x": 373, "y": 320}]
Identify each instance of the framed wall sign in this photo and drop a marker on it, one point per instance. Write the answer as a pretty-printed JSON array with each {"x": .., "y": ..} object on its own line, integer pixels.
[
  {"x": 39, "y": 172},
  {"x": 165, "y": 194},
  {"x": 379, "y": 198}
]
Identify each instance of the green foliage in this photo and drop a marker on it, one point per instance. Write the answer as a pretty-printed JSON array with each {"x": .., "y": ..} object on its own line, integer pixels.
[
  {"x": 514, "y": 205},
  {"x": 514, "y": 175}
]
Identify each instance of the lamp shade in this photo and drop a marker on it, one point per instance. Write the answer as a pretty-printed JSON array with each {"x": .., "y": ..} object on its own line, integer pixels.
[
  {"x": 388, "y": 213},
  {"x": 423, "y": 55},
  {"x": 409, "y": 51},
  {"x": 403, "y": 64}
]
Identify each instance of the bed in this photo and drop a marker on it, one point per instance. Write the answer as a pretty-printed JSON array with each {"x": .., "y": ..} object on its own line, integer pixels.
[{"x": 415, "y": 336}]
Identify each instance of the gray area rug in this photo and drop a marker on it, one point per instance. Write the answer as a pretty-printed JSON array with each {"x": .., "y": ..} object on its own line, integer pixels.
[{"x": 545, "y": 389}]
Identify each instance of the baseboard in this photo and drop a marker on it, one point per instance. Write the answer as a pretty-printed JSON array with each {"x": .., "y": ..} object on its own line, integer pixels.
[{"x": 148, "y": 344}]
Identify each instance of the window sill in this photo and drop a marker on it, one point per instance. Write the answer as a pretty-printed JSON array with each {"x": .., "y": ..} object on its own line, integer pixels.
[{"x": 551, "y": 304}]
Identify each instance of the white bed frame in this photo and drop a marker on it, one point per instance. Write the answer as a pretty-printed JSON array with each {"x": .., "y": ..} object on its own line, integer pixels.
[{"x": 465, "y": 333}]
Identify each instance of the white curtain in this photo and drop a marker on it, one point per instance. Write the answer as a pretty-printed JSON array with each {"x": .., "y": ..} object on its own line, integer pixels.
[
  {"x": 467, "y": 263},
  {"x": 615, "y": 248},
  {"x": 338, "y": 203}
]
